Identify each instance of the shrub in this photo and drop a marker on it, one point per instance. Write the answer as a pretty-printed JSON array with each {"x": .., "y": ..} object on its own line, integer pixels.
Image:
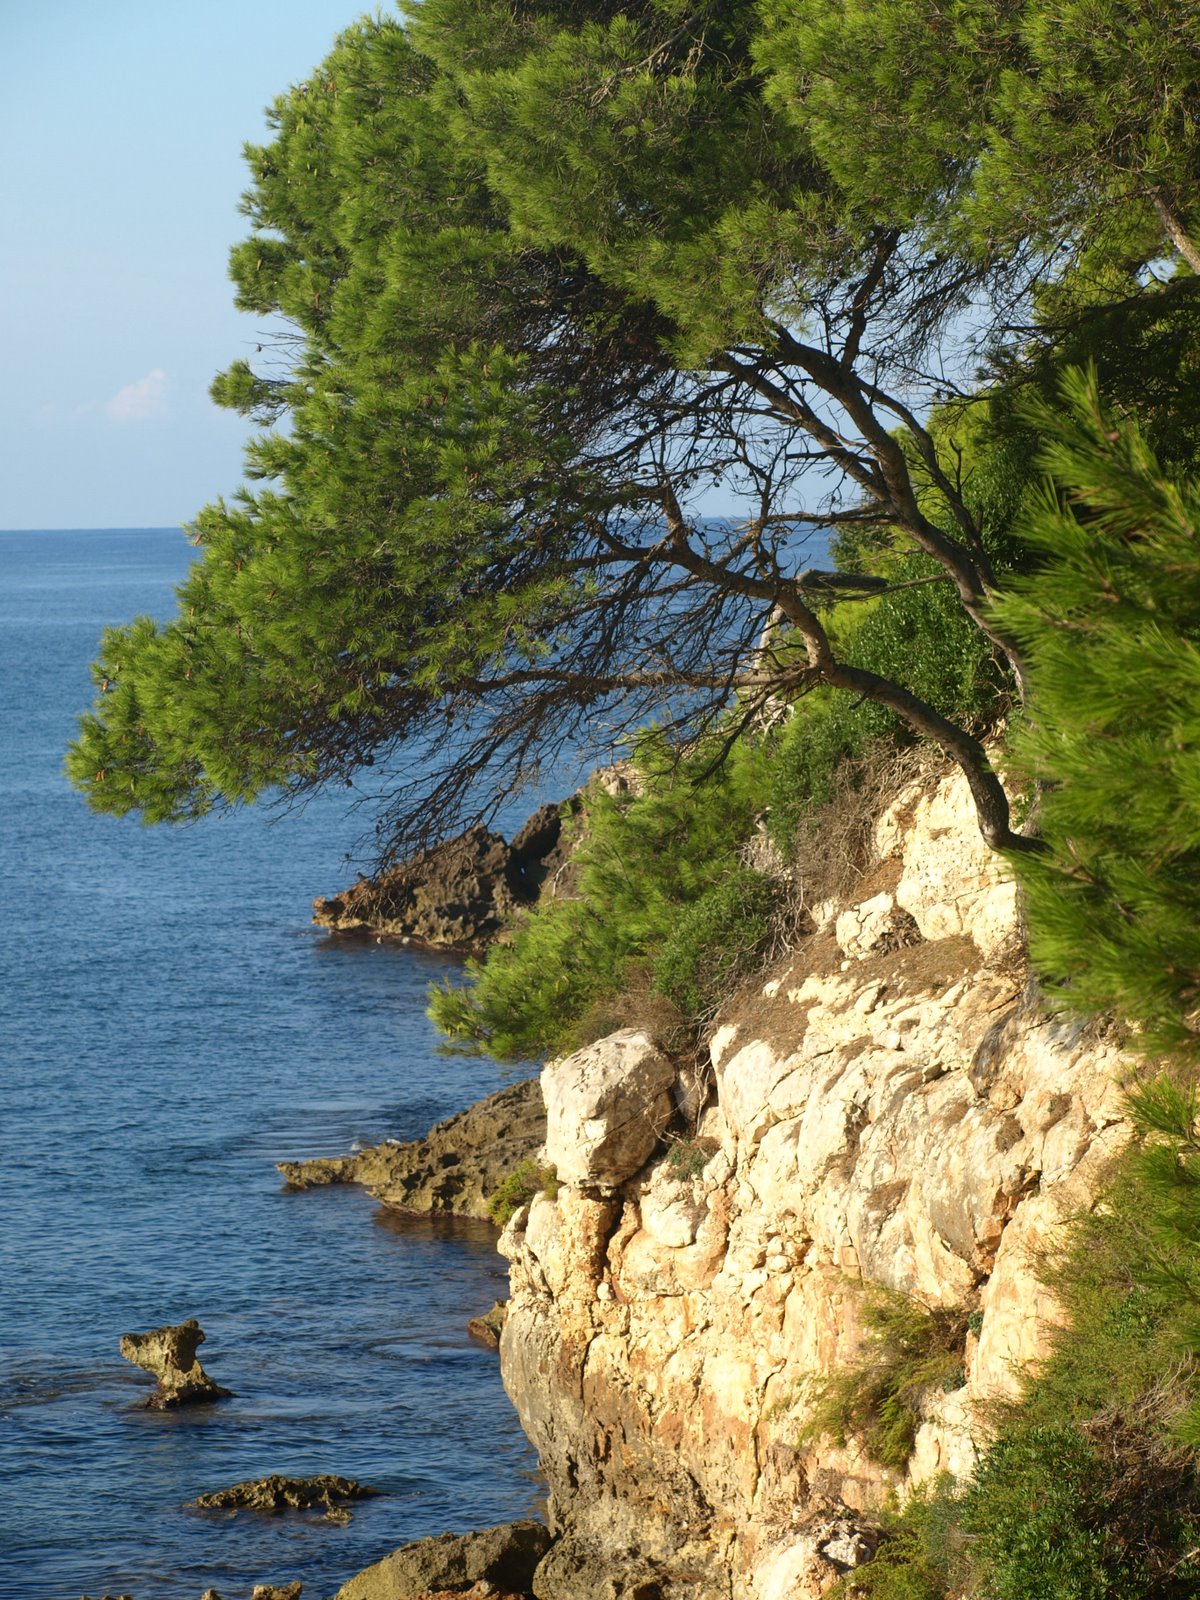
[
  {"x": 526, "y": 1180},
  {"x": 687, "y": 1158},
  {"x": 910, "y": 1350},
  {"x": 641, "y": 861},
  {"x": 921, "y": 633},
  {"x": 715, "y": 942}
]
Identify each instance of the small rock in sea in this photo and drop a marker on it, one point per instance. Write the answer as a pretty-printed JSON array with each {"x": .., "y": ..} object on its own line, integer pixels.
[
  {"x": 276, "y": 1591},
  {"x": 276, "y": 1493},
  {"x": 210, "y": 1594},
  {"x": 505, "y": 1557},
  {"x": 169, "y": 1354},
  {"x": 487, "y": 1327}
]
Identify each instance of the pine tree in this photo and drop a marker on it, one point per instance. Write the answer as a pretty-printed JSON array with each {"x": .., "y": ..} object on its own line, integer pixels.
[{"x": 1112, "y": 623}]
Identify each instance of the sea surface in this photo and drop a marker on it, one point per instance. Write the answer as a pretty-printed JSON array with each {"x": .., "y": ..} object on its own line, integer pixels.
[{"x": 171, "y": 1025}]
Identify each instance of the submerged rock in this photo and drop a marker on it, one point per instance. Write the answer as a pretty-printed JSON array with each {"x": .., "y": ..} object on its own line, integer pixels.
[
  {"x": 169, "y": 1354},
  {"x": 454, "y": 1169},
  {"x": 275, "y": 1493},
  {"x": 505, "y": 1557}
]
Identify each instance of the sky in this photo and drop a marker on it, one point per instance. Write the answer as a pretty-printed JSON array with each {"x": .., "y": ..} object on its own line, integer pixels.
[{"x": 121, "y": 130}]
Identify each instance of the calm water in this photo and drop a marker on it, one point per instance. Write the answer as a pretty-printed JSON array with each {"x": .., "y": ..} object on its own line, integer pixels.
[{"x": 170, "y": 1027}]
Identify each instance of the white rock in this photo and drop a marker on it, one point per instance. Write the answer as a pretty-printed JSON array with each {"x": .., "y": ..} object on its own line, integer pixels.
[{"x": 606, "y": 1107}]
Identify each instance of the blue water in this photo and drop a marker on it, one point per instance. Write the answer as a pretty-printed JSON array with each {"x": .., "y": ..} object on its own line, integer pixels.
[{"x": 171, "y": 1026}]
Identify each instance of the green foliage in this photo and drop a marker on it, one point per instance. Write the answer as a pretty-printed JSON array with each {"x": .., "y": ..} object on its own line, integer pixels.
[
  {"x": 715, "y": 942},
  {"x": 658, "y": 891},
  {"x": 687, "y": 1158},
  {"x": 920, "y": 635},
  {"x": 1037, "y": 1513},
  {"x": 1091, "y": 1487},
  {"x": 527, "y": 1179},
  {"x": 1112, "y": 620},
  {"x": 910, "y": 1350},
  {"x": 998, "y": 127},
  {"x": 919, "y": 1552}
]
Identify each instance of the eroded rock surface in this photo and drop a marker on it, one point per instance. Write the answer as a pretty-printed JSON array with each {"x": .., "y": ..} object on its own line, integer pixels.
[
  {"x": 892, "y": 1107},
  {"x": 169, "y": 1354},
  {"x": 456, "y": 896},
  {"x": 607, "y": 1107},
  {"x": 275, "y": 1493},
  {"x": 506, "y": 1557},
  {"x": 454, "y": 1169}
]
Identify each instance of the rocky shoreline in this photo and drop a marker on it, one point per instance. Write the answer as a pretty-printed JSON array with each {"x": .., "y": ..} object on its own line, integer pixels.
[
  {"x": 457, "y": 896},
  {"x": 453, "y": 1170}
]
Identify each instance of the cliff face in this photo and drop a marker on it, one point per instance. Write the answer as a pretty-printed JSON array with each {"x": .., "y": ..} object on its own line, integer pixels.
[{"x": 892, "y": 1108}]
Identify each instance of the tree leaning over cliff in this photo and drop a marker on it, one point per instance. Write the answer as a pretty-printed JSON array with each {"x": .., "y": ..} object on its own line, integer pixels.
[{"x": 549, "y": 271}]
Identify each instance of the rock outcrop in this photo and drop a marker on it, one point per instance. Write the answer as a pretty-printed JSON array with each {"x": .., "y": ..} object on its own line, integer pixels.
[
  {"x": 502, "y": 1558},
  {"x": 276, "y": 1493},
  {"x": 169, "y": 1354},
  {"x": 458, "y": 895},
  {"x": 891, "y": 1107},
  {"x": 607, "y": 1108},
  {"x": 453, "y": 1170}
]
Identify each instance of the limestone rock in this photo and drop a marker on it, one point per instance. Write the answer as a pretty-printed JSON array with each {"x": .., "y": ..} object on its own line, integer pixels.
[
  {"x": 169, "y": 1354},
  {"x": 505, "y": 1556},
  {"x": 606, "y": 1108},
  {"x": 277, "y": 1493},
  {"x": 891, "y": 1109},
  {"x": 457, "y": 895},
  {"x": 454, "y": 1169},
  {"x": 576, "y": 1570},
  {"x": 277, "y": 1591}
]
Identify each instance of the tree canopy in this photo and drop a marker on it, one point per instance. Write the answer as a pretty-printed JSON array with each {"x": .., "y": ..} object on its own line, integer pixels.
[{"x": 550, "y": 271}]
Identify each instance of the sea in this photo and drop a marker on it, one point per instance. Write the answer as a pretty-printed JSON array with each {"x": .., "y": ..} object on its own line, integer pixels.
[{"x": 171, "y": 1026}]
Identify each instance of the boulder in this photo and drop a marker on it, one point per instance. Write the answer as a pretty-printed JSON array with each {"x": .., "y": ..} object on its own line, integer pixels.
[
  {"x": 169, "y": 1354},
  {"x": 277, "y": 1591},
  {"x": 455, "y": 1169},
  {"x": 505, "y": 1556},
  {"x": 276, "y": 1493},
  {"x": 573, "y": 1569},
  {"x": 606, "y": 1108}
]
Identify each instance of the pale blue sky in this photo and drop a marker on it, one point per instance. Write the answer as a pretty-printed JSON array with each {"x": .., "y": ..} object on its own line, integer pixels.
[{"x": 121, "y": 127}]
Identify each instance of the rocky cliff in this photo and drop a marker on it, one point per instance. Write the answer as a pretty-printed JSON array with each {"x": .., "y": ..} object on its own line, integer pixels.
[{"x": 889, "y": 1106}]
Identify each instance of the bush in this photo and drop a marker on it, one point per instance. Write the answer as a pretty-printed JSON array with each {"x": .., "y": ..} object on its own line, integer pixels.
[
  {"x": 641, "y": 860},
  {"x": 717, "y": 941},
  {"x": 1089, "y": 1488},
  {"x": 920, "y": 636},
  {"x": 910, "y": 1351},
  {"x": 526, "y": 1180}
]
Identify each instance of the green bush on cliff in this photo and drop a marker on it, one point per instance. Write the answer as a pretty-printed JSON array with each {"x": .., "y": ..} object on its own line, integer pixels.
[
  {"x": 921, "y": 631},
  {"x": 641, "y": 861},
  {"x": 909, "y": 1351},
  {"x": 716, "y": 942},
  {"x": 1089, "y": 1490},
  {"x": 527, "y": 1179}
]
